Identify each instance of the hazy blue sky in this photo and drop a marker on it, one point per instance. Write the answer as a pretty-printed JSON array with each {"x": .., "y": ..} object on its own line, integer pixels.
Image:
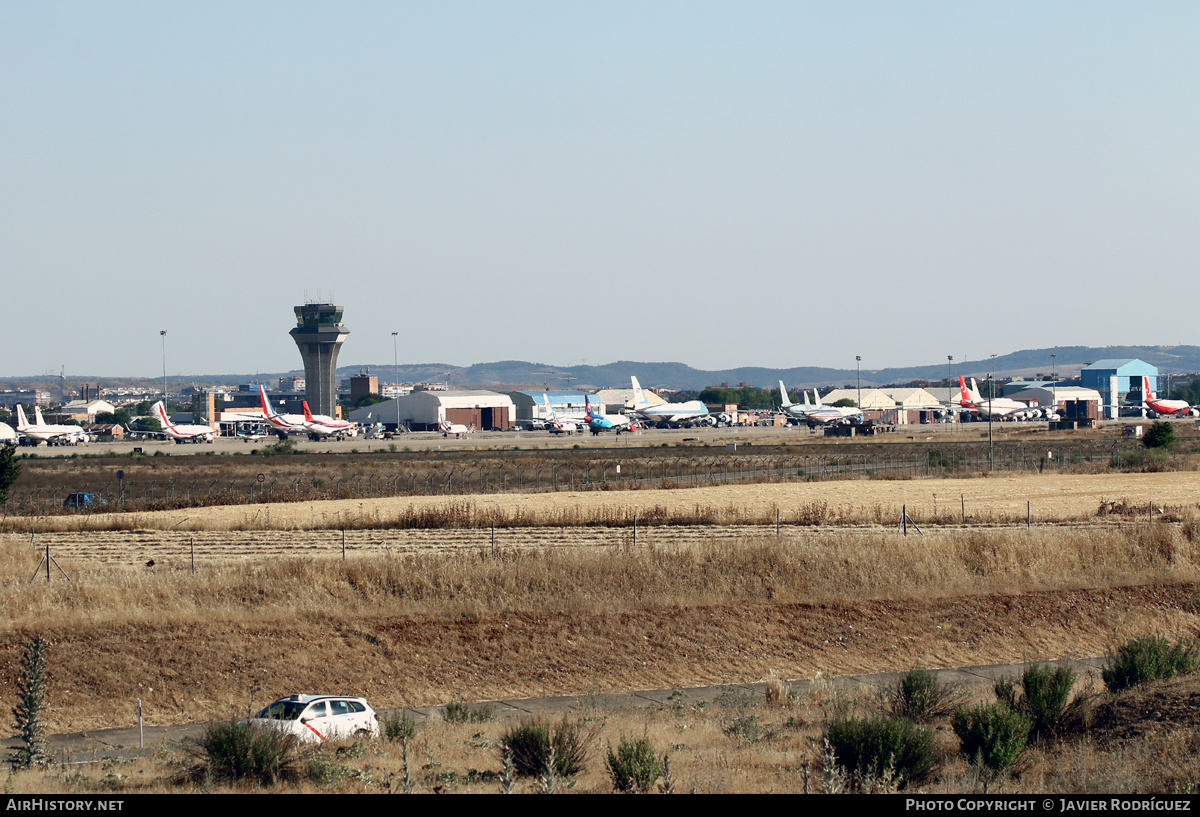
[{"x": 722, "y": 184}]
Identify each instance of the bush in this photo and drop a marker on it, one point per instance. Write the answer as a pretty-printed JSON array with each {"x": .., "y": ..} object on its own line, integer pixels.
[
  {"x": 1147, "y": 659},
  {"x": 529, "y": 741},
  {"x": 398, "y": 726},
  {"x": 1160, "y": 435},
  {"x": 459, "y": 712},
  {"x": 635, "y": 766},
  {"x": 1045, "y": 699},
  {"x": 232, "y": 750},
  {"x": 871, "y": 747},
  {"x": 921, "y": 698},
  {"x": 994, "y": 734},
  {"x": 31, "y": 700}
]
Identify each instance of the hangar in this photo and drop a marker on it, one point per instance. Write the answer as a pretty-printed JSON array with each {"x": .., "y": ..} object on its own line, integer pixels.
[
  {"x": 478, "y": 410},
  {"x": 1115, "y": 379}
]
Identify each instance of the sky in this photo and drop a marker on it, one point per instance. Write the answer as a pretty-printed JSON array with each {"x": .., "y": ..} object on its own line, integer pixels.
[{"x": 720, "y": 184}]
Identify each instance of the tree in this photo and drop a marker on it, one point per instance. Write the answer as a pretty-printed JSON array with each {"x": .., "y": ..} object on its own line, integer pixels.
[
  {"x": 31, "y": 700},
  {"x": 1160, "y": 435},
  {"x": 10, "y": 469}
]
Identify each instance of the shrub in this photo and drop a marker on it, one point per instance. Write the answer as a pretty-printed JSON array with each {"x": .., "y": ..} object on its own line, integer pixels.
[
  {"x": 921, "y": 698},
  {"x": 1160, "y": 435},
  {"x": 994, "y": 734},
  {"x": 635, "y": 765},
  {"x": 873, "y": 746},
  {"x": 10, "y": 469},
  {"x": 1147, "y": 659},
  {"x": 529, "y": 741},
  {"x": 398, "y": 726},
  {"x": 31, "y": 700},
  {"x": 750, "y": 728},
  {"x": 459, "y": 712},
  {"x": 232, "y": 750},
  {"x": 1045, "y": 699}
]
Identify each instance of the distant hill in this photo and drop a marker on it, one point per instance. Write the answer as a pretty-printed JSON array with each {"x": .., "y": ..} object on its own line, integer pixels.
[{"x": 520, "y": 374}]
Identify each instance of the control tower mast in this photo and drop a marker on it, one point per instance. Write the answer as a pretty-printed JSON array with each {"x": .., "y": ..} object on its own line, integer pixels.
[{"x": 319, "y": 334}]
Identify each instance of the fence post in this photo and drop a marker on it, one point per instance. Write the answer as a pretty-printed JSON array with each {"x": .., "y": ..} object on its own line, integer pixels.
[
  {"x": 343, "y": 544},
  {"x": 193, "y": 540},
  {"x": 963, "y": 499},
  {"x": 904, "y": 519},
  {"x": 634, "y": 532},
  {"x": 776, "y": 521},
  {"x": 1028, "y": 514}
]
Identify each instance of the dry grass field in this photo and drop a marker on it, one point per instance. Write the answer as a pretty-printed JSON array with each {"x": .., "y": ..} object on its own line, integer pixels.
[{"x": 422, "y": 610}]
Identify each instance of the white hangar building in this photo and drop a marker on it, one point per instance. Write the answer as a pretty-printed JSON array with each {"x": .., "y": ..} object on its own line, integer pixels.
[{"x": 423, "y": 410}]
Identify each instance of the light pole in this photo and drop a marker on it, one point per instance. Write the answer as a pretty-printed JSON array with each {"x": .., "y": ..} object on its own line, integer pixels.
[
  {"x": 950, "y": 386},
  {"x": 163, "y": 334},
  {"x": 991, "y": 405},
  {"x": 396, "y": 379},
  {"x": 858, "y": 375},
  {"x": 1053, "y": 383}
]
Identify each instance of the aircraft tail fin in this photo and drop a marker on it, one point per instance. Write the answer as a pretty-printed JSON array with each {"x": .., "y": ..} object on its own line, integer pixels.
[
  {"x": 975, "y": 395},
  {"x": 549, "y": 408},
  {"x": 307, "y": 414},
  {"x": 639, "y": 396},
  {"x": 817, "y": 399},
  {"x": 1146, "y": 393},
  {"x": 22, "y": 421},
  {"x": 784, "y": 401},
  {"x": 266, "y": 401},
  {"x": 37, "y": 416},
  {"x": 964, "y": 395},
  {"x": 161, "y": 412}
]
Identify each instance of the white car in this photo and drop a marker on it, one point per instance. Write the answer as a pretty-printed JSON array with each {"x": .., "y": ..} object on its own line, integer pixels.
[{"x": 319, "y": 718}]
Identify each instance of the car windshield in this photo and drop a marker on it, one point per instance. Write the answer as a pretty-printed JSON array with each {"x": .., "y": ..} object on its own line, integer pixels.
[{"x": 283, "y": 711}]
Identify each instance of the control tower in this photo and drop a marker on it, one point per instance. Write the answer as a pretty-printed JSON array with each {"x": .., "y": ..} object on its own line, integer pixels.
[{"x": 319, "y": 334}]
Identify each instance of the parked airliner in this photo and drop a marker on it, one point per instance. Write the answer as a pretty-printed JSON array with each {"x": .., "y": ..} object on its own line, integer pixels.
[
  {"x": 602, "y": 422},
  {"x": 50, "y": 434},
  {"x": 181, "y": 433},
  {"x": 560, "y": 425},
  {"x": 448, "y": 428},
  {"x": 999, "y": 407},
  {"x": 321, "y": 425},
  {"x": 798, "y": 410},
  {"x": 283, "y": 424},
  {"x": 689, "y": 413},
  {"x": 1159, "y": 406}
]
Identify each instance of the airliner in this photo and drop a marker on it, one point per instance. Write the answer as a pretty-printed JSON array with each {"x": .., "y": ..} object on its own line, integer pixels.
[
  {"x": 320, "y": 425},
  {"x": 798, "y": 410},
  {"x": 1000, "y": 407},
  {"x": 1159, "y": 406},
  {"x": 831, "y": 415},
  {"x": 283, "y": 424},
  {"x": 602, "y": 422},
  {"x": 689, "y": 413},
  {"x": 181, "y": 433},
  {"x": 457, "y": 429},
  {"x": 50, "y": 434},
  {"x": 560, "y": 425}
]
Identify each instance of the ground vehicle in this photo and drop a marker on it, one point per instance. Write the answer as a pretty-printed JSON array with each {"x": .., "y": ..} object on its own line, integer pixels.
[
  {"x": 318, "y": 718},
  {"x": 82, "y": 499}
]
